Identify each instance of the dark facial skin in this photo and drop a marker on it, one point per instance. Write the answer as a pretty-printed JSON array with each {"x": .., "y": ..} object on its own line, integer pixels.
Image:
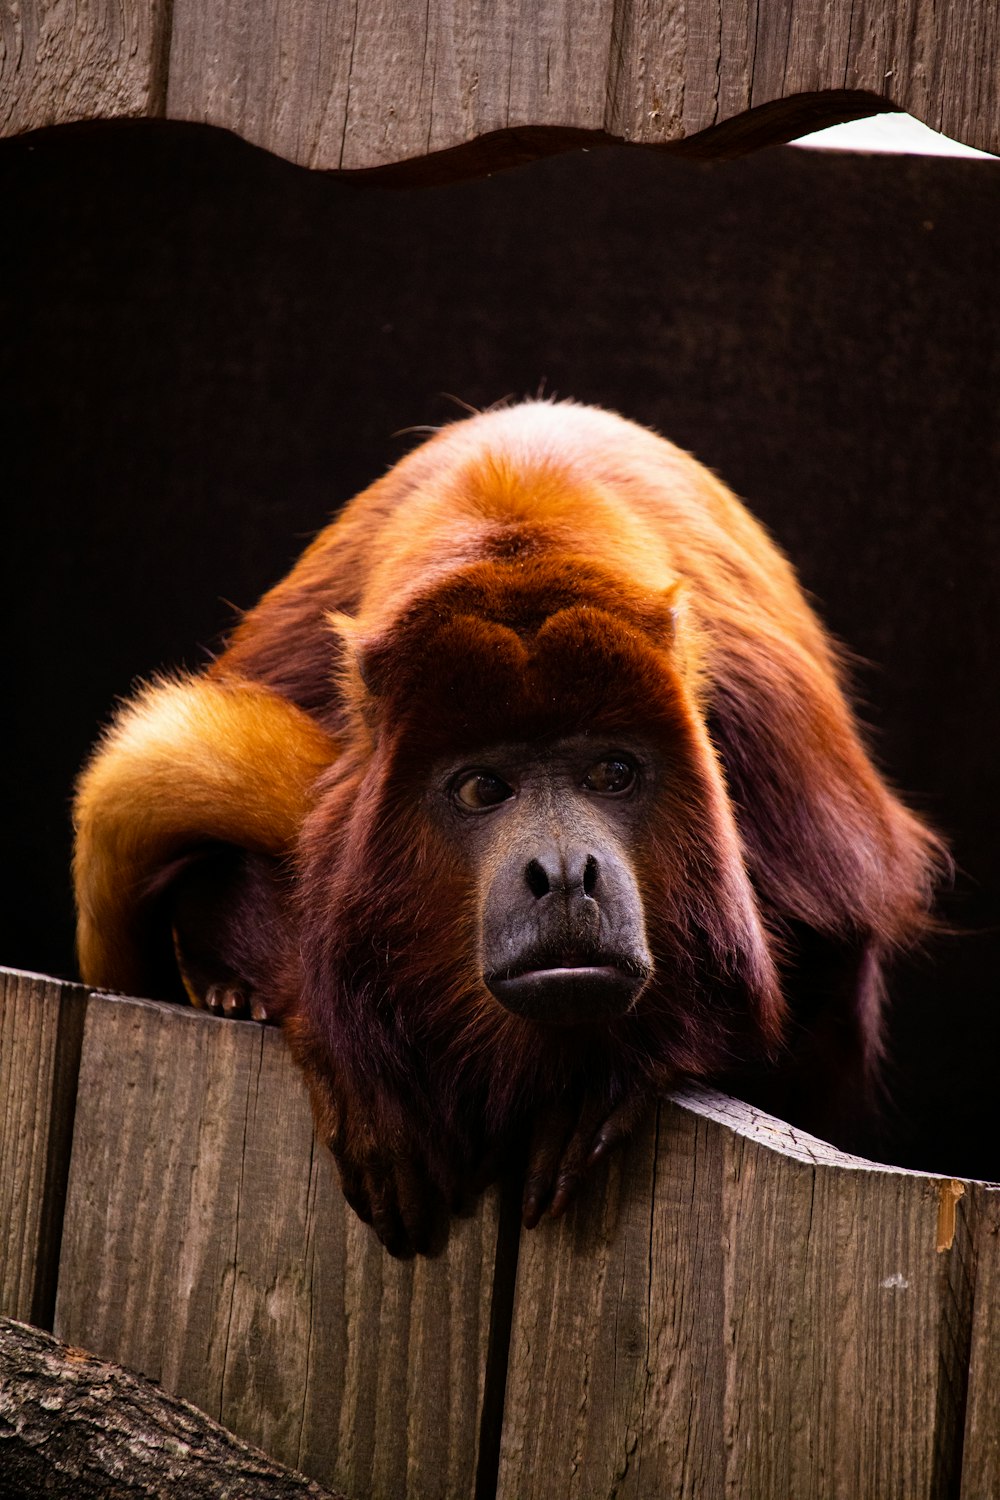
[
  {"x": 549, "y": 828},
  {"x": 547, "y": 834}
]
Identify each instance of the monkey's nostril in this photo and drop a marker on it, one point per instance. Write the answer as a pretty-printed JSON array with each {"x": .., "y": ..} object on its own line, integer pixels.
[
  {"x": 590, "y": 874},
  {"x": 538, "y": 881}
]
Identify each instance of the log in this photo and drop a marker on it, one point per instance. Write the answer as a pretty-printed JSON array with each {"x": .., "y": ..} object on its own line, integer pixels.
[
  {"x": 356, "y": 84},
  {"x": 77, "y": 1427}
]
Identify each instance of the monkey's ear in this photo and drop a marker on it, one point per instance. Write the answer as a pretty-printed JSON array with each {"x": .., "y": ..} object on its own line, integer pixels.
[
  {"x": 670, "y": 610},
  {"x": 191, "y": 763},
  {"x": 356, "y": 656},
  {"x": 666, "y": 622},
  {"x": 661, "y": 613}
]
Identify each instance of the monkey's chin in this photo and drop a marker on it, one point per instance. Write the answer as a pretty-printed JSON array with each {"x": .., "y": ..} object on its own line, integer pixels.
[{"x": 568, "y": 996}]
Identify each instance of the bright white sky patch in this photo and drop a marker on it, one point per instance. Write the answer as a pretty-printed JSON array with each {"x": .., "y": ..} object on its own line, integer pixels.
[{"x": 891, "y": 132}]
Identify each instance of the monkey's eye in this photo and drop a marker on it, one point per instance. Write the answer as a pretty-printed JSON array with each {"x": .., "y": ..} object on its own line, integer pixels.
[
  {"x": 478, "y": 790},
  {"x": 611, "y": 777}
]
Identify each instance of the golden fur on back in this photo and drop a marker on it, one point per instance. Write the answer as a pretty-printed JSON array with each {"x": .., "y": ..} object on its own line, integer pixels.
[
  {"x": 542, "y": 571},
  {"x": 190, "y": 761}
]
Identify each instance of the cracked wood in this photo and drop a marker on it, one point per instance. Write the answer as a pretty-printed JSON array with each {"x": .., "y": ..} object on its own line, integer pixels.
[{"x": 737, "y": 1308}]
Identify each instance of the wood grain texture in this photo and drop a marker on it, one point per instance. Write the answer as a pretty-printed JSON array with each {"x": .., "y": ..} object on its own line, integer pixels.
[
  {"x": 41, "y": 1023},
  {"x": 737, "y": 1309},
  {"x": 207, "y": 1245},
  {"x": 82, "y": 60},
  {"x": 728, "y": 1319},
  {"x": 77, "y": 1428},
  {"x": 357, "y": 84},
  {"x": 981, "y": 1453}
]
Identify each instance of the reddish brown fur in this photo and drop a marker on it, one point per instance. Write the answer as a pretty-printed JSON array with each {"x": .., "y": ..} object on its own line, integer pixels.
[{"x": 538, "y": 570}]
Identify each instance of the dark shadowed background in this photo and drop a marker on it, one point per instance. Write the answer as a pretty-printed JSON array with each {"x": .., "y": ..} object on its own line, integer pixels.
[{"x": 206, "y": 351}]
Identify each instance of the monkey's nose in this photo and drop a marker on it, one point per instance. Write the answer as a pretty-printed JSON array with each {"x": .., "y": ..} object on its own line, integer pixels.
[{"x": 562, "y": 872}]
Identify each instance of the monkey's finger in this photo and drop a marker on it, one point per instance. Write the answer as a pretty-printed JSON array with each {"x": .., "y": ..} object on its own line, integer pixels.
[
  {"x": 213, "y": 998},
  {"x": 548, "y": 1140},
  {"x": 236, "y": 1003},
  {"x": 575, "y": 1160},
  {"x": 422, "y": 1209},
  {"x": 386, "y": 1220},
  {"x": 228, "y": 1000},
  {"x": 352, "y": 1185},
  {"x": 618, "y": 1126}
]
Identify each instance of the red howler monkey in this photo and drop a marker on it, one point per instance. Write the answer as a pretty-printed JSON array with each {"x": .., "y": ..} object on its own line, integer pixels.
[{"x": 530, "y": 791}]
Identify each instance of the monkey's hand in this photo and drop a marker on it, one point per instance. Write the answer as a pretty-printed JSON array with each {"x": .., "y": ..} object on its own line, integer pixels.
[
  {"x": 390, "y": 1183},
  {"x": 568, "y": 1139}
]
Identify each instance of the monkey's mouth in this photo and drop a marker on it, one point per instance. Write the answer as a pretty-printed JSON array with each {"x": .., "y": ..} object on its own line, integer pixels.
[{"x": 570, "y": 990}]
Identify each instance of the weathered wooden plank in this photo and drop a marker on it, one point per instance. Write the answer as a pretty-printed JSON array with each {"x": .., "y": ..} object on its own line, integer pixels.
[
  {"x": 361, "y": 83},
  {"x": 282, "y": 71},
  {"x": 981, "y": 1451},
  {"x": 207, "y": 1245},
  {"x": 742, "y": 1311},
  {"x": 84, "y": 61},
  {"x": 41, "y": 1024},
  {"x": 392, "y": 80}
]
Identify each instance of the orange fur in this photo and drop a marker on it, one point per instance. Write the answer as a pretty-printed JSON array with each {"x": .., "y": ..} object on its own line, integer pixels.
[
  {"x": 538, "y": 572},
  {"x": 581, "y": 489},
  {"x": 192, "y": 760}
]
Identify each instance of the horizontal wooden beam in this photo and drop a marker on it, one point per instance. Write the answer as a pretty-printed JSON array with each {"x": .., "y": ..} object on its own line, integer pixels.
[{"x": 352, "y": 85}]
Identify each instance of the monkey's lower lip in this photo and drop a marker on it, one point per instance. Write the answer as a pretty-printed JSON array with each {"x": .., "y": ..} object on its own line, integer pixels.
[{"x": 568, "y": 994}]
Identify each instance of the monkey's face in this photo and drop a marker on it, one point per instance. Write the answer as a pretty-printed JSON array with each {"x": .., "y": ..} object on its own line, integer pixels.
[
  {"x": 548, "y": 832},
  {"x": 535, "y": 854}
]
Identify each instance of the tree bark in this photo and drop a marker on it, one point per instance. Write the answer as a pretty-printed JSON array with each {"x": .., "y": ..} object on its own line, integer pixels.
[{"x": 75, "y": 1426}]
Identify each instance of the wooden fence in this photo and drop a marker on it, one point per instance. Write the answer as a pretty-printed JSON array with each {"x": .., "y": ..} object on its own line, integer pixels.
[
  {"x": 357, "y": 84},
  {"x": 736, "y": 1309}
]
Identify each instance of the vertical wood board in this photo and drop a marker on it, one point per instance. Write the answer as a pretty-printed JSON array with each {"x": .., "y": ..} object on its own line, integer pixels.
[
  {"x": 85, "y": 61},
  {"x": 207, "y": 1245},
  {"x": 981, "y": 1450},
  {"x": 41, "y": 1023},
  {"x": 741, "y": 1311},
  {"x": 360, "y": 85}
]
